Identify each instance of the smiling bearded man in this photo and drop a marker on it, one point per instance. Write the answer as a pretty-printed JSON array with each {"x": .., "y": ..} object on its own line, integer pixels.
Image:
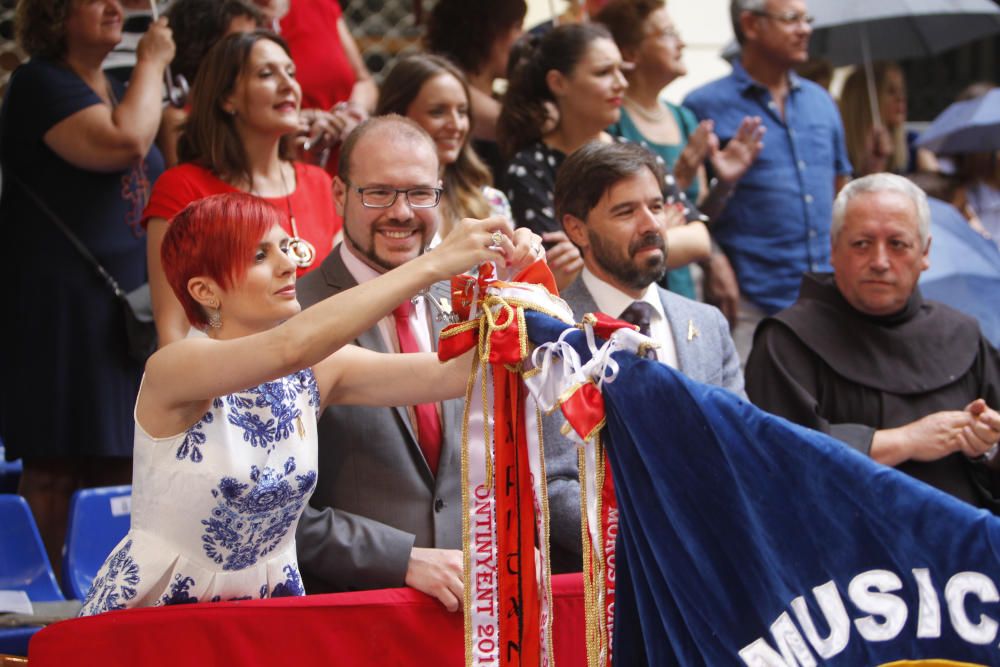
[
  {"x": 861, "y": 356},
  {"x": 387, "y": 506}
]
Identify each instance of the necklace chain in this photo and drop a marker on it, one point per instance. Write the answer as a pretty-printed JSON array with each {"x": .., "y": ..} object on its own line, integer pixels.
[
  {"x": 634, "y": 105},
  {"x": 301, "y": 252},
  {"x": 288, "y": 199}
]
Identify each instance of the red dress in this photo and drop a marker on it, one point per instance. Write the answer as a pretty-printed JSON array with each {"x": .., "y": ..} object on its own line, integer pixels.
[
  {"x": 322, "y": 67},
  {"x": 311, "y": 203}
]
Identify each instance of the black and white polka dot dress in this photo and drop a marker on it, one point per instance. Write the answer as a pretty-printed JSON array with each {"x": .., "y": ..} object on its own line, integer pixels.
[{"x": 531, "y": 182}]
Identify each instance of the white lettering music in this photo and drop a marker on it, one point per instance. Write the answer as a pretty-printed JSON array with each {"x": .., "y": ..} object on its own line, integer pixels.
[{"x": 883, "y": 617}]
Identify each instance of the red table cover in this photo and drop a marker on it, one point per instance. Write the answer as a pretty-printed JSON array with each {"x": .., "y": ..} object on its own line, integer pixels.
[{"x": 398, "y": 626}]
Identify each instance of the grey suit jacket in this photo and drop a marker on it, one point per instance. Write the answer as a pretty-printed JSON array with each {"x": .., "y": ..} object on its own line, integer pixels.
[
  {"x": 709, "y": 357},
  {"x": 376, "y": 497}
]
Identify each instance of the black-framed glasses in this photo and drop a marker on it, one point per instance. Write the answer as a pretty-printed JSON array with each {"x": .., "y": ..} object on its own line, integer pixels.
[
  {"x": 380, "y": 196},
  {"x": 788, "y": 18}
]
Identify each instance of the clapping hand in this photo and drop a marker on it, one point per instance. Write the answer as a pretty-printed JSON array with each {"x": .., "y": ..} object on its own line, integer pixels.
[
  {"x": 349, "y": 115},
  {"x": 730, "y": 163},
  {"x": 973, "y": 432},
  {"x": 699, "y": 146},
  {"x": 321, "y": 130},
  {"x": 983, "y": 434}
]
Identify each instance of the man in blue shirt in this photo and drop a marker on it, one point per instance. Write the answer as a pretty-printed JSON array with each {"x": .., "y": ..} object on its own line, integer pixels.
[{"x": 776, "y": 226}]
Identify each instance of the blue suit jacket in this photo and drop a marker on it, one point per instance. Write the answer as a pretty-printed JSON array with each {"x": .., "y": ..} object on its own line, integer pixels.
[{"x": 709, "y": 357}]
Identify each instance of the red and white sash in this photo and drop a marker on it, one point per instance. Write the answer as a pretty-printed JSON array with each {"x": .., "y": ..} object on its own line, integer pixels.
[{"x": 507, "y": 608}]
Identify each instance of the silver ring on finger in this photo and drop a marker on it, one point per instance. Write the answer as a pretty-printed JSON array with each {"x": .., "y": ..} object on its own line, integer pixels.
[{"x": 497, "y": 239}]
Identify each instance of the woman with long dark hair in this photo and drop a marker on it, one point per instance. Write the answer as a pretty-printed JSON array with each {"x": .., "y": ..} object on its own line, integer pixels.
[
  {"x": 477, "y": 37},
  {"x": 649, "y": 40},
  {"x": 565, "y": 89},
  {"x": 237, "y": 138}
]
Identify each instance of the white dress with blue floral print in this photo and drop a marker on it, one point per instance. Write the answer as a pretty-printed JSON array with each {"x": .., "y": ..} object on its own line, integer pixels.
[{"x": 214, "y": 509}]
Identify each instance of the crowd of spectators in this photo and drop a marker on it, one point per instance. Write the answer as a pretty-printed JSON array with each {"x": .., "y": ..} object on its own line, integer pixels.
[{"x": 629, "y": 194}]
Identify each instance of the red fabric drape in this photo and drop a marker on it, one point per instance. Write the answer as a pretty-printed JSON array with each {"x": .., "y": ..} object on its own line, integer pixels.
[{"x": 388, "y": 627}]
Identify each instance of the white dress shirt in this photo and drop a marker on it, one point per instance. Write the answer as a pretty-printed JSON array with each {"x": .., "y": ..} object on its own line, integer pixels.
[
  {"x": 419, "y": 319},
  {"x": 612, "y": 301}
]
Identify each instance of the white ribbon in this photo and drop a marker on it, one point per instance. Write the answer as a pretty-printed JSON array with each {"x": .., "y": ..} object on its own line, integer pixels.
[
  {"x": 481, "y": 608},
  {"x": 537, "y": 466}
]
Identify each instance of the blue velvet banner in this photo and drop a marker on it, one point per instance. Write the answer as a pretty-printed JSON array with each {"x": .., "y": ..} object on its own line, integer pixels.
[{"x": 747, "y": 540}]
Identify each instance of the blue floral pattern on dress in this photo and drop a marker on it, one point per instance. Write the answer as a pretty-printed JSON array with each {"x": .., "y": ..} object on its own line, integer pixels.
[
  {"x": 308, "y": 382},
  {"x": 255, "y": 430},
  {"x": 117, "y": 584},
  {"x": 282, "y": 418},
  {"x": 235, "y": 483},
  {"x": 180, "y": 591},
  {"x": 193, "y": 439},
  {"x": 291, "y": 586},
  {"x": 250, "y": 520}
]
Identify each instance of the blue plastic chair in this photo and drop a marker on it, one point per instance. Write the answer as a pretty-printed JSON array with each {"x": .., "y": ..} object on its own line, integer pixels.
[
  {"x": 23, "y": 566},
  {"x": 10, "y": 473},
  {"x": 98, "y": 519}
]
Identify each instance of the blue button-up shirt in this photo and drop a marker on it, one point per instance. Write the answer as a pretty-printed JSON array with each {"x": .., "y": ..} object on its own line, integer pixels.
[{"x": 777, "y": 224}]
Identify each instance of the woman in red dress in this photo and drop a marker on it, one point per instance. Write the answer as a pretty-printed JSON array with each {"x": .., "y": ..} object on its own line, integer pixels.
[{"x": 244, "y": 114}]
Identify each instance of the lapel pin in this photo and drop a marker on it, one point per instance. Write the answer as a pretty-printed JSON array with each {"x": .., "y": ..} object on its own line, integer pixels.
[{"x": 692, "y": 331}]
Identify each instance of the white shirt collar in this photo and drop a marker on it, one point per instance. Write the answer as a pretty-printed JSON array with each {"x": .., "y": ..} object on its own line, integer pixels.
[
  {"x": 612, "y": 301},
  {"x": 359, "y": 269},
  {"x": 419, "y": 317}
]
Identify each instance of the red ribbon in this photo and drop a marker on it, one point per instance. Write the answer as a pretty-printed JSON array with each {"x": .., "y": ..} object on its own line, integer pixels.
[
  {"x": 605, "y": 325},
  {"x": 609, "y": 535},
  {"x": 584, "y": 409},
  {"x": 517, "y": 586}
]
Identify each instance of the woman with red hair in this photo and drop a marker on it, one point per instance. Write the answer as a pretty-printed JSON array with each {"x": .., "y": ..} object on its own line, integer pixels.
[{"x": 223, "y": 471}]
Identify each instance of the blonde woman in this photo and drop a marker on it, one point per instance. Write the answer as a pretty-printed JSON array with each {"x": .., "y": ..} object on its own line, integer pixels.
[{"x": 886, "y": 147}]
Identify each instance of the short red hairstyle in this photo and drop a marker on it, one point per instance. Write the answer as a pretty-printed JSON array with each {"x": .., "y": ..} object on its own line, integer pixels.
[{"x": 215, "y": 237}]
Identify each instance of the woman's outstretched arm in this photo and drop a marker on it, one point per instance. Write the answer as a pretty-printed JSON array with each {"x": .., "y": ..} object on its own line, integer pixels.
[{"x": 192, "y": 371}]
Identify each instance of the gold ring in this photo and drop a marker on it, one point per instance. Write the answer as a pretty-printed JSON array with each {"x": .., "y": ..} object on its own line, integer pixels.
[{"x": 497, "y": 238}]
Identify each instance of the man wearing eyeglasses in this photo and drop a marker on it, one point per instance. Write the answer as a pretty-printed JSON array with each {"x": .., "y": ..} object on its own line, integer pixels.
[
  {"x": 387, "y": 507},
  {"x": 774, "y": 227}
]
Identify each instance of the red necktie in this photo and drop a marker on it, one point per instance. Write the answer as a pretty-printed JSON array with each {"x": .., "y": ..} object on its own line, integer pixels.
[{"x": 428, "y": 424}]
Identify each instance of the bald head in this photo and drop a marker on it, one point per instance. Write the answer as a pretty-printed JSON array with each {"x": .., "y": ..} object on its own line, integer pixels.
[
  {"x": 389, "y": 155},
  {"x": 376, "y": 134}
]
